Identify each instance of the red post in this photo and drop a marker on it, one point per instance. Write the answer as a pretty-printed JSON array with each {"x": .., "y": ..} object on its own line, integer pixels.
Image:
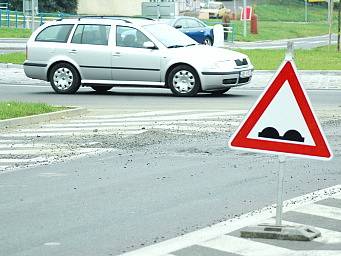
[{"x": 254, "y": 24}]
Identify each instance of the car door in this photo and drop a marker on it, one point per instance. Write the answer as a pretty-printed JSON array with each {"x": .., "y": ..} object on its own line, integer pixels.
[
  {"x": 89, "y": 49},
  {"x": 195, "y": 30},
  {"x": 131, "y": 62}
]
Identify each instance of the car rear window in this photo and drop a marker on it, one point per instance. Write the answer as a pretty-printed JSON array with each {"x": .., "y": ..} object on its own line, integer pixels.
[{"x": 56, "y": 33}]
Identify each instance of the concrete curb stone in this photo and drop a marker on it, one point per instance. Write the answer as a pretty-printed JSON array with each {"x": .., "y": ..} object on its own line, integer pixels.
[{"x": 35, "y": 119}]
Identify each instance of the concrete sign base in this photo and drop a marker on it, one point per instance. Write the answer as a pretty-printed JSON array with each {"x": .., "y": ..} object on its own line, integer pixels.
[{"x": 295, "y": 233}]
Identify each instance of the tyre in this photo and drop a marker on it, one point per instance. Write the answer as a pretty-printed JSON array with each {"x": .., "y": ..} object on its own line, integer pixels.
[
  {"x": 183, "y": 80},
  {"x": 220, "y": 92},
  {"x": 101, "y": 89},
  {"x": 208, "y": 41},
  {"x": 64, "y": 78}
]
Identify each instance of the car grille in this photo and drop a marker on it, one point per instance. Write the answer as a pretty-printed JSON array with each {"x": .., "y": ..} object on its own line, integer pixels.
[{"x": 242, "y": 62}]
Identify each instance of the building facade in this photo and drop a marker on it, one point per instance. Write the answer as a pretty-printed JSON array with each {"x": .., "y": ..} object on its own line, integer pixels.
[{"x": 110, "y": 7}]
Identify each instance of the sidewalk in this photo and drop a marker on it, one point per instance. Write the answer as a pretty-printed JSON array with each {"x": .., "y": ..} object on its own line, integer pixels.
[{"x": 310, "y": 79}]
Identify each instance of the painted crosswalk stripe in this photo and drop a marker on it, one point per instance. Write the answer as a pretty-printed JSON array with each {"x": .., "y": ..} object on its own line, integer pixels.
[
  {"x": 327, "y": 236},
  {"x": 53, "y": 134},
  {"x": 29, "y": 160},
  {"x": 136, "y": 126},
  {"x": 160, "y": 118},
  {"x": 322, "y": 211},
  {"x": 245, "y": 247},
  {"x": 337, "y": 196},
  {"x": 114, "y": 124}
]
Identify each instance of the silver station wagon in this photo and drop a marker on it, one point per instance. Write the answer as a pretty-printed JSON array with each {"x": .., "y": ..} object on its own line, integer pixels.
[{"x": 103, "y": 52}]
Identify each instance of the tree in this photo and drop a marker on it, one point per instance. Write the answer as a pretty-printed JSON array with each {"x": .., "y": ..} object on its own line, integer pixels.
[{"x": 67, "y": 6}]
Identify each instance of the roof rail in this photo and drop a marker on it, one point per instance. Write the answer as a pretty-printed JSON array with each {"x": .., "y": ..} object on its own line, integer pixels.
[{"x": 120, "y": 17}]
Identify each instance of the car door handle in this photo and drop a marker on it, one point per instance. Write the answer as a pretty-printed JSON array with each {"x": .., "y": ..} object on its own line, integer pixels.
[
  {"x": 73, "y": 51},
  {"x": 116, "y": 54}
]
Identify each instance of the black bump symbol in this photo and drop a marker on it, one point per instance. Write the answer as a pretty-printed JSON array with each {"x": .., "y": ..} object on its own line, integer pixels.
[{"x": 272, "y": 133}]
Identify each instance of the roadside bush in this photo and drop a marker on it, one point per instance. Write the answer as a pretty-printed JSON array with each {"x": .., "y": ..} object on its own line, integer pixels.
[{"x": 67, "y": 6}]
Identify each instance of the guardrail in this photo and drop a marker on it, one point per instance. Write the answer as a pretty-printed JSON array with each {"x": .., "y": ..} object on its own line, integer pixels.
[
  {"x": 230, "y": 30},
  {"x": 15, "y": 19}
]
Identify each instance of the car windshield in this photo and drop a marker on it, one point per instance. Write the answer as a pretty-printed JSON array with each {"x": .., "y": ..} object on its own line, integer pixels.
[
  {"x": 169, "y": 36},
  {"x": 214, "y": 5}
]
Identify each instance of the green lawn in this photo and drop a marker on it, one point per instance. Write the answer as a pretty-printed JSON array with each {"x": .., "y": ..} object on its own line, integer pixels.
[
  {"x": 284, "y": 19},
  {"x": 12, "y": 109},
  {"x": 273, "y": 30},
  {"x": 14, "y": 33},
  {"x": 14, "y": 58},
  {"x": 322, "y": 58}
]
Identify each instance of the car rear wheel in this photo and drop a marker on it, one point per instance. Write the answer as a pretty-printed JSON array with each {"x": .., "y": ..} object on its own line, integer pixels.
[
  {"x": 64, "y": 78},
  {"x": 101, "y": 89},
  {"x": 208, "y": 41},
  {"x": 220, "y": 92},
  {"x": 183, "y": 80}
]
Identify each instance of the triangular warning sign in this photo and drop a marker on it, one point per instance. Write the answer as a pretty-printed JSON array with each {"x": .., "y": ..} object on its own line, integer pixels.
[{"x": 282, "y": 121}]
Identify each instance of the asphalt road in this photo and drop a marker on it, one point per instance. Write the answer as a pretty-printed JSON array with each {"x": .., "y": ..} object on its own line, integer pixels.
[
  {"x": 154, "y": 99},
  {"x": 149, "y": 187}
]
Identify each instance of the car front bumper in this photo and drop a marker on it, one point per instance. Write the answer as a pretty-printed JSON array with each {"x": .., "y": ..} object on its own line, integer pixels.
[{"x": 211, "y": 80}]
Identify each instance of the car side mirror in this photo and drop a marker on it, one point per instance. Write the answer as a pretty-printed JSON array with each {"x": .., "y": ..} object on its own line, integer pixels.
[
  {"x": 178, "y": 26},
  {"x": 149, "y": 45}
]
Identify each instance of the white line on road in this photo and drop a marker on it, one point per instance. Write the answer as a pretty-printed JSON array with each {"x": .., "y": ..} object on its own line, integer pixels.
[
  {"x": 322, "y": 211},
  {"x": 61, "y": 127},
  {"x": 162, "y": 118},
  {"x": 327, "y": 236},
  {"x": 245, "y": 247}
]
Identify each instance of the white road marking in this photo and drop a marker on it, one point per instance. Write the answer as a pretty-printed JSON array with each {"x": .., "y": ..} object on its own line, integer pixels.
[
  {"x": 29, "y": 160},
  {"x": 327, "y": 236},
  {"x": 245, "y": 247},
  {"x": 140, "y": 123},
  {"x": 337, "y": 196},
  {"x": 30, "y": 145},
  {"x": 159, "y": 118},
  {"x": 322, "y": 211},
  {"x": 53, "y": 134},
  {"x": 231, "y": 225}
]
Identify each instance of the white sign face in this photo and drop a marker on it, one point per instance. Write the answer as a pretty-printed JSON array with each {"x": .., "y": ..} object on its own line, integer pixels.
[
  {"x": 284, "y": 115},
  {"x": 282, "y": 121}
]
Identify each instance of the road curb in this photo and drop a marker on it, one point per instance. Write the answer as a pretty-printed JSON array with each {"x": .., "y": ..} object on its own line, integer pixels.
[
  {"x": 10, "y": 65},
  {"x": 46, "y": 117}
]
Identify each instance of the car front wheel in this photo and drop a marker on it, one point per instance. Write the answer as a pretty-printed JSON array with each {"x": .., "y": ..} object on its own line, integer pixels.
[
  {"x": 208, "y": 41},
  {"x": 183, "y": 80},
  {"x": 64, "y": 78}
]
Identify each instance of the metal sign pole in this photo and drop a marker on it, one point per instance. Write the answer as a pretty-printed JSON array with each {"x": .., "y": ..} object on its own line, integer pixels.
[
  {"x": 306, "y": 10},
  {"x": 32, "y": 13},
  {"x": 339, "y": 28},
  {"x": 244, "y": 11},
  {"x": 279, "y": 206}
]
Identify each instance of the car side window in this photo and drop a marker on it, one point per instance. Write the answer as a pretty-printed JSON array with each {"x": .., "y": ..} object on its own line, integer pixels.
[
  {"x": 55, "y": 33},
  {"x": 91, "y": 34},
  {"x": 193, "y": 24},
  {"x": 130, "y": 37},
  {"x": 182, "y": 23}
]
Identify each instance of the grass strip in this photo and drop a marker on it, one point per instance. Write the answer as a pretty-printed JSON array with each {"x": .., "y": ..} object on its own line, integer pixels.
[
  {"x": 321, "y": 58},
  {"x": 13, "y": 57},
  {"x": 15, "y": 33},
  {"x": 12, "y": 109}
]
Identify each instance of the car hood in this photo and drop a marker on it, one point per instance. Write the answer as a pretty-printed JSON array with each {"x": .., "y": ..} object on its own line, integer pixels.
[{"x": 207, "y": 53}]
